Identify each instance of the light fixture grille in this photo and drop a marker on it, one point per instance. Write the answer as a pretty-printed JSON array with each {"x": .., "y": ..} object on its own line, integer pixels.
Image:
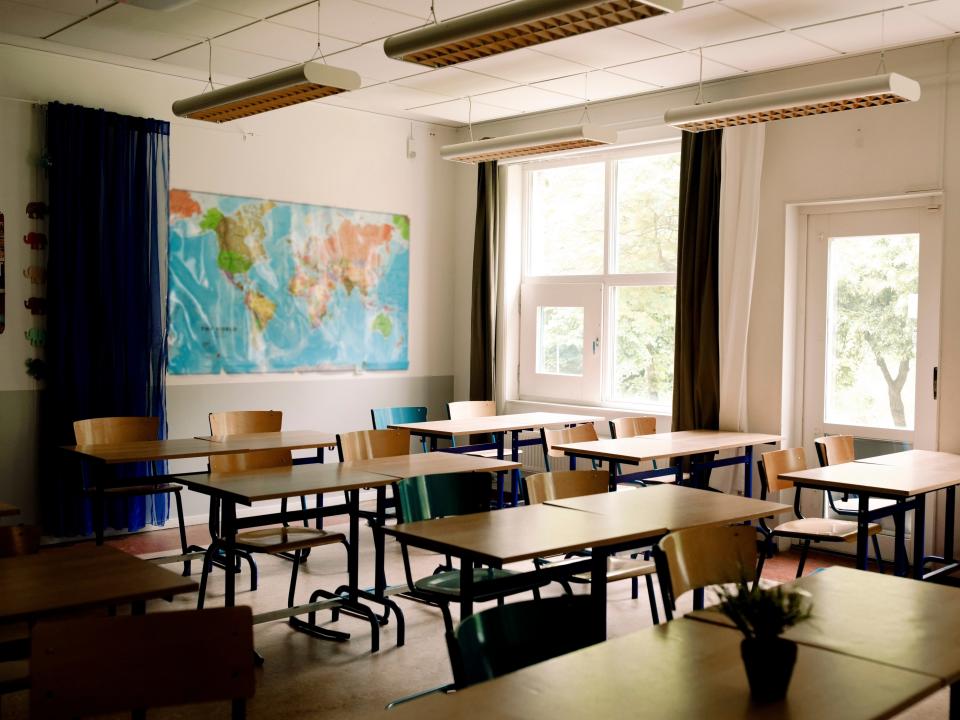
[
  {"x": 596, "y": 17},
  {"x": 486, "y": 155},
  {"x": 271, "y": 100},
  {"x": 786, "y": 113}
]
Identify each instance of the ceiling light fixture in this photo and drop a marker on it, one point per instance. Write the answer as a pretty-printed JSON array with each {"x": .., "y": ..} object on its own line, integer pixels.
[
  {"x": 540, "y": 142},
  {"x": 514, "y": 25},
  {"x": 864, "y": 92},
  {"x": 297, "y": 84}
]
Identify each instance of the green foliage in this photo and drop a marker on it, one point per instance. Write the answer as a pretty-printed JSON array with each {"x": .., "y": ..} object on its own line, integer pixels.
[
  {"x": 643, "y": 360},
  {"x": 648, "y": 213},
  {"x": 763, "y": 614},
  {"x": 561, "y": 341}
]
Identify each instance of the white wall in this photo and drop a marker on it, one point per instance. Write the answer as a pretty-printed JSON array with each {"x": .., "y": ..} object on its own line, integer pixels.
[
  {"x": 310, "y": 153},
  {"x": 860, "y": 154}
]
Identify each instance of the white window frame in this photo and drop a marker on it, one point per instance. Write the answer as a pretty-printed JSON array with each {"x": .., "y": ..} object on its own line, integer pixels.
[{"x": 596, "y": 388}]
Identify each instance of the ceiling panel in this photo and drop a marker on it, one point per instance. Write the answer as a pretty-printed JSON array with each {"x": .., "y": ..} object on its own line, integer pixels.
[
  {"x": 348, "y": 20},
  {"x": 447, "y": 9},
  {"x": 254, "y": 8},
  {"x": 71, "y": 7},
  {"x": 600, "y": 85},
  {"x": 460, "y": 111},
  {"x": 454, "y": 82},
  {"x": 528, "y": 99},
  {"x": 191, "y": 20},
  {"x": 769, "y": 51},
  {"x": 385, "y": 98},
  {"x": 267, "y": 38},
  {"x": 797, "y": 13},
  {"x": 603, "y": 48},
  {"x": 226, "y": 62},
  {"x": 862, "y": 33},
  {"x": 945, "y": 12},
  {"x": 674, "y": 70},
  {"x": 369, "y": 61},
  {"x": 524, "y": 66},
  {"x": 146, "y": 45},
  {"x": 699, "y": 26},
  {"x": 33, "y": 22}
]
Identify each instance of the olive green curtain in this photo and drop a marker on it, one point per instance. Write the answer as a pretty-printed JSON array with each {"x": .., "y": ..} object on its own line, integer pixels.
[
  {"x": 696, "y": 373},
  {"x": 483, "y": 316}
]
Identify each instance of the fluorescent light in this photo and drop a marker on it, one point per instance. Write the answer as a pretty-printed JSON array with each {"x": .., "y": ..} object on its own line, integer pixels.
[
  {"x": 282, "y": 88},
  {"x": 814, "y": 100},
  {"x": 540, "y": 142},
  {"x": 516, "y": 25}
]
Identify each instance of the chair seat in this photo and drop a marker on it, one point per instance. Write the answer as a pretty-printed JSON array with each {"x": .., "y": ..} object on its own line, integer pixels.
[
  {"x": 149, "y": 489},
  {"x": 285, "y": 539},
  {"x": 822, "y": 529},
  {"x": 14, "y": 676},
  {"x": 448, "y": 583},
  {"x": 620, "y": 568}
]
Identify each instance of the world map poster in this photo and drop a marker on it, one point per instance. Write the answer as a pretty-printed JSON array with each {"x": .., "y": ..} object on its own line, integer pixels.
[{"x": 267, "y": 286}]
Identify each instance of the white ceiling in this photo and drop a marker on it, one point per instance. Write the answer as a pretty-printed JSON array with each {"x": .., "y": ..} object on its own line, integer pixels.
[{"x": 251, "y": 37}]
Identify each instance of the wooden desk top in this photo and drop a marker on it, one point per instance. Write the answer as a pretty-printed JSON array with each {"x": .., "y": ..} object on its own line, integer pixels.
[
  {"x": 672, "y": 507},
  {"x": 925, "y": 459},
  {"x": 875, "y": 479},
  {"x": 402, "y": 466},
  {"x": 80, "y": 577},
  {"x": 905, "y": 623},
  {"x": 521, "y": 533},
  {"x": 7, "y": 510},
  {"x": 698, "y": 674},
  {"x": 494, "y": 423},
  {"x": 672, "y": 444},
  {"x": 179, "y": 448},
  {"x": 250, "y": 486}
]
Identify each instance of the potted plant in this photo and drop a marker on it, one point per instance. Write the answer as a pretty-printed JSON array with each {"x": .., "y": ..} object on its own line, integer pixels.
[{"x": 762, "y": 615}]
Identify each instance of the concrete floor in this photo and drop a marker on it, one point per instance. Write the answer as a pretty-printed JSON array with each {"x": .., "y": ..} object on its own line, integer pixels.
[{"x": 304, "y": 677}]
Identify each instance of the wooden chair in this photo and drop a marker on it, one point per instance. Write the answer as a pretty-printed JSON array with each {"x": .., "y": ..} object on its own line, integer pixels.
[
  {"x": 575, "y": 483},
  {"x": 426, "y": 497},
  {"x": 15, "y": 639},
  {"x": 293, "y": 542},
  {"x": 155, "y": 660},
  {"x": 558, "y": 436},
  {"x": 465, "y": 409},
  {"x": 774, "y": 464},
  {"x": 371, "y": 444},
  {"x": 110, "y": 430},
  {"x": 696, "y": 558},
  {"x": 383, "y": 417}
]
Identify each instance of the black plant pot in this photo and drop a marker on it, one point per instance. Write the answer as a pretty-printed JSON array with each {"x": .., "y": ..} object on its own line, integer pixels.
[{"x": 769, "y": 664}]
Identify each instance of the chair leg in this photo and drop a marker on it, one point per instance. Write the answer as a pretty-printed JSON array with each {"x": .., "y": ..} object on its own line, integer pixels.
[
  {"x": 254, "y": 574},
  {"x": 447, "y": 617},
  {"x": 634, "y": 588},
  {"x": 653, "y": 600},
  {"x": 238, "y": 709},
  {"x": 876, "y": 552},
  {"x": 204, "y": 573},
  {"x": 764, "y": 551},
  {"x": 184, "y": 548},
  {"x": 803, "y": 557},
  {"x": 291, "y": 596}
]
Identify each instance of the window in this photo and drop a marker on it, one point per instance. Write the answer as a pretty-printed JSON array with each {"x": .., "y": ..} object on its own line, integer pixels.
[{"x": 598, "y": 288}]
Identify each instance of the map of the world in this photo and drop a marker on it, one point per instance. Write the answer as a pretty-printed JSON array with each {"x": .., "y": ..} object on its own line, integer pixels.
[{"x": 267, "y": 286}]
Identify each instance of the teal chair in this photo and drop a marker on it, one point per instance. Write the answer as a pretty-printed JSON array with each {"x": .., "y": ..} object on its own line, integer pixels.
[
  {"x": 427, "y": 497},
  {"x": 501, "y": 640},
  {"x": 384, "y": 417}
]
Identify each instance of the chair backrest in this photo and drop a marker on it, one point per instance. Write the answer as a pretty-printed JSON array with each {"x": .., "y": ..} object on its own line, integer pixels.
[
  {"x": 387, "y": 416},
  {"x": 471, "y": 409},
  {"x": 242, "y": 422},
  {"x": 697, "y": 557},
  {"x": 370, "y": 444},
  {"x": 503, "y": 639},
  {"x": 626, "y": 427},
  {"x": 100, "y": 431},
  {"x": 558, "y": 436},
  {"x": 834, "y": 449},
  {"x": 425, "y": 497},
  {"x": 775, "y": 463},
  {"x": 19, "y": 540},
  {"x": 154, "y": 660},
  {"x": 561, "y": 484}
]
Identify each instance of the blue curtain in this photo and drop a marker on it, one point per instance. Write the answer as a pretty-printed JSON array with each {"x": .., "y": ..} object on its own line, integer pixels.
[{"x": 106, "y": 349}]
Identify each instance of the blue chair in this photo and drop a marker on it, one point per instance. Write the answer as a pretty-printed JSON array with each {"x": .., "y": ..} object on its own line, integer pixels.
[{"x": 384, "y": 417}]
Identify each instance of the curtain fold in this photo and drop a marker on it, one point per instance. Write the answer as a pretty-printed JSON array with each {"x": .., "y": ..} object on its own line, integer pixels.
[
  {"x": 106, "y": 349},
  {"x": 696, "y": 401},
  {"x": 483, "y": 315}
]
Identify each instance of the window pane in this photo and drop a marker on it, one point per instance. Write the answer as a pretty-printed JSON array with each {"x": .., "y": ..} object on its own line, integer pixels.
[
  {"x": 643, "y": 351},
  {"x": 560, "y": 340},
  {"x": 872, "y": 330},
  {"x": 648, "y": 200},
  {"x": 566, "y": 220}
]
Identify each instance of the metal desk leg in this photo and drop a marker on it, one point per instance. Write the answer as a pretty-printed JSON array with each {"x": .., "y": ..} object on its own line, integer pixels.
[
  {"x": 949, "y": 524},
  {"x": 919, "y": 520},
  {"x": 899, "y": 550},
  {"x": 498, "y": 440},
  {"x": 228, "y": 531},
  {"x": 320, "y": 495},
  {"x": 863, "y": 524},
  {"x": 98, "y": 472},
  {"x": 466, "y": 587},
  {"x": 955, "y": 701},
  {"x": 433, "y": 443},
  {"x": 748, "y": 471},
  {"x": 515, "y": 457},
  {"x": 598, "y": 592}
]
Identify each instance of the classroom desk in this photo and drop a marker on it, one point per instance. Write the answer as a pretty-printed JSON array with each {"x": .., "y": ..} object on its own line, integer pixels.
[
  {"x": 8, "y": 510},
  {"x": 497, "y": 426},
  {"x": 635, "y": 450},
  {"x": 78, "y": 578},
  {"x": 695, "y": 672},
  {"x": 908, "y": 483},
  {"x": 605, "y": 523},
  {"x": 99, "y": 456},
  {"x": 895, "y": 621}
]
